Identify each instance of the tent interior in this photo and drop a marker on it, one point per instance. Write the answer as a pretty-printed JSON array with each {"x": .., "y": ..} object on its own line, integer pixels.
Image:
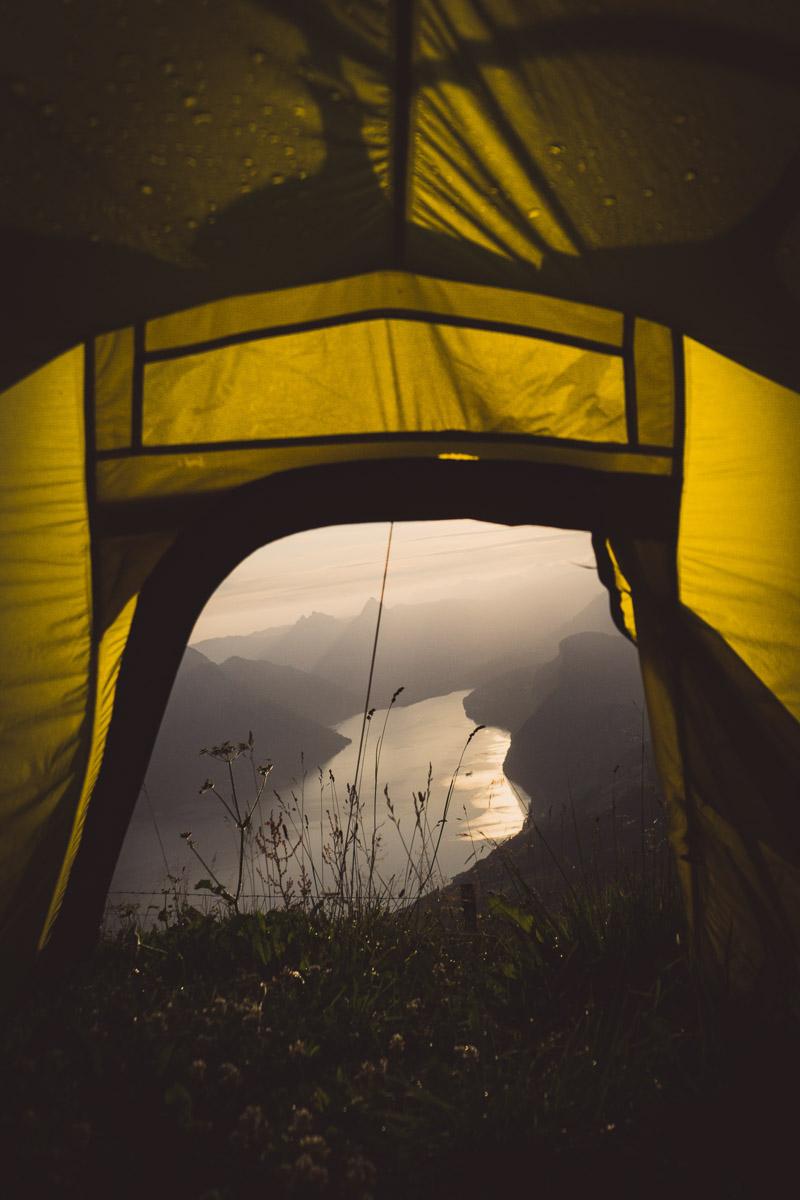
[{"x": 277, "y": 265}]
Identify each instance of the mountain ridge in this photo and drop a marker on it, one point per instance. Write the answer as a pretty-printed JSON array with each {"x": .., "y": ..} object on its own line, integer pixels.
[{"x": 208, "y": 705}]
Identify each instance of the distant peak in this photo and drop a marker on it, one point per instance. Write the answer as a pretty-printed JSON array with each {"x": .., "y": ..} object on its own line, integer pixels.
[
  {"x": 318, "y": 618},
  {"x": 192, "y": 657}
]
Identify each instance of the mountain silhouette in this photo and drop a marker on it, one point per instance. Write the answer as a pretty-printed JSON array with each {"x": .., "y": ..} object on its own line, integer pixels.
[
  {"x": 210, "y": 704},
  {"x": 428, "y": 648},
  {"x": 248, "y": 645},
  {"x": 587, "y": 727},
  {"x": 514, "y": 686},
  {"x": 307, "y": 695}
]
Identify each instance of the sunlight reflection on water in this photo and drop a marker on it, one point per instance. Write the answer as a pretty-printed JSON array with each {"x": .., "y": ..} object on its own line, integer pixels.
[{"x": 483, "y": 809}]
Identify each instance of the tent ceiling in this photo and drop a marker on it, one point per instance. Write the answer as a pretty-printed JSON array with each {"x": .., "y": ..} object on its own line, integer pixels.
[{"x": 639, "y": 156}]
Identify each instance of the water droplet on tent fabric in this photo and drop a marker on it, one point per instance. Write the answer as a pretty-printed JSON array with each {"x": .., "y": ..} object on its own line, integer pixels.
[
  {"x": 690, "y": 175},
  {"x": 648, "y": 192},
  {"x": 609, "y": 201},
  {"x": 533, "y": 213},
  {"x": 202, "y": 117},
  {"x": 556, "y": 148},
  {"x": 190, "y": 100},
  {"x": 146, "y": 188},
  {"x": 258, "y": 57},
  {"x": 278, "y": 179}
]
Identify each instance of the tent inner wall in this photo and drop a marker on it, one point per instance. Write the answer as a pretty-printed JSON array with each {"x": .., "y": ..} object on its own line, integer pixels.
[
  {"x": 47, "y": 652},
  {"x": 718, "y": 629},
  {"x": 377, "y": 365},
  {"x": 230, "y": 526},
  {"x": 564, "y": 413}
]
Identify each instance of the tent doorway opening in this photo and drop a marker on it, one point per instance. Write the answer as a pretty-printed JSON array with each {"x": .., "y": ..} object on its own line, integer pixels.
[{"x": 374, "y": 710}]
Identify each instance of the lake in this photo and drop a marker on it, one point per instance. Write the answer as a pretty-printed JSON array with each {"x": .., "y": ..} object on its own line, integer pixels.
[{"x": 483, "y": 808}]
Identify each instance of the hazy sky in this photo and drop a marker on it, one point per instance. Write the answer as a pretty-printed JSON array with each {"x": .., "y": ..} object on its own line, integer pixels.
[{"x": 336, "y": 570}]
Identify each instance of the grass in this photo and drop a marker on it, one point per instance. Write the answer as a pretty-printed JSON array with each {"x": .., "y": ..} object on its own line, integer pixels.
[
  {"x": 300, "y": 1053},
  {"x": 351, "y": 1044},
  {"x": 305, "y": 1052},
  {"x": 278, "y": 856}
]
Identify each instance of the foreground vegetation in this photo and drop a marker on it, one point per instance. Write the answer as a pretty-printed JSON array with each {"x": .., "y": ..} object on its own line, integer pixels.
[
  {"x": 380, "y": 1038},
  {"x": 382, "y": 1054}
]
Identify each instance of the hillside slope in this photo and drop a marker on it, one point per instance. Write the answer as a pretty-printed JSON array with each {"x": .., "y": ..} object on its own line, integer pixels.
[
  {"x": 209, "y": 705},
  {"x": 309, "y": 695},
  {"x": 583, "y": 755}
]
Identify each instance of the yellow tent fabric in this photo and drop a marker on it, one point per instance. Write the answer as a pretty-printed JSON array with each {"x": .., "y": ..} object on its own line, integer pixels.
[{"x": 522, "y": 258}]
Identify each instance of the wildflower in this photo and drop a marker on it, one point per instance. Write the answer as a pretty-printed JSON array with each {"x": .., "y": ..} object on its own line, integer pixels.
[
  {"x": 229, "y": 1075},
  {"x": 306, "y": 1172},
  {"x": 468, "y": 1052},
  {"x": 315, "y": 1145},
  {"x": 361, "y": 1175},
  {"x": 186, "y": 835},
  {"x": 208, "y": 786},
  {"x": 156, "y": 1021},
  {"x": 302, "y": 1121},
  {"x": 265, "y": 768},
  {"x": 249, "y": 1011},
  {"x": 225, "y": 751},
  {"x": 252, "y": 1129},
  {"x": 366, "y": 1077},
  {"x": 413, "y": 1005},
  {"x": 397, "y": 1043},
  {"x": 298, "y": 1049},
  {"x": 197, "y": 1071}
]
